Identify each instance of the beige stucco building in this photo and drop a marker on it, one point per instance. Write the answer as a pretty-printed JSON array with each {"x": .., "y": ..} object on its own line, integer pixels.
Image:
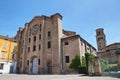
[
  {"x": 45, "y": 48},
  {"x": 105, "y": 51}
]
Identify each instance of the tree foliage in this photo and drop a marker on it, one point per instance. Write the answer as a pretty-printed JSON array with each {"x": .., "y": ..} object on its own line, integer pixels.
[
  {"x": 104, "y": 64},
  {"x": 83, "y": 61},
  {"x": 75, "y": 63},
  {"x": 89, "y": 57},
  {"x": 81, "y": 66}
]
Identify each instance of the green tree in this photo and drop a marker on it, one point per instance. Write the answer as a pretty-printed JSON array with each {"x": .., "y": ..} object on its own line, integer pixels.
[
  {"x": 104, "y": 65},
  {"x": 75, "y": 63},
  {"x": 89, "y": 57},
  {"x": 83, "y": 61}
]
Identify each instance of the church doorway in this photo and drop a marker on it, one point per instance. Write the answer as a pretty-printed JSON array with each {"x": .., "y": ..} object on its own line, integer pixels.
[
  {"x": 34, "y": 65},
  {"x": 49, "y": 67}
]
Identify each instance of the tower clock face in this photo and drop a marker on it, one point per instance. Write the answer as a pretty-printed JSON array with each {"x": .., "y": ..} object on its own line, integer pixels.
[{"x": 35, "y": 30}]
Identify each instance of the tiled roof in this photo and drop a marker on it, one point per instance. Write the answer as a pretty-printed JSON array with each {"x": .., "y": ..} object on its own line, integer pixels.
[{"x": 6, "y": 38}]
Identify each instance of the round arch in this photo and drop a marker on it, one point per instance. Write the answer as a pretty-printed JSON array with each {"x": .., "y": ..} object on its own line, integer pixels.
[
  {"x": 49, "y": 66},
  {"x": 34, "y": 65}
]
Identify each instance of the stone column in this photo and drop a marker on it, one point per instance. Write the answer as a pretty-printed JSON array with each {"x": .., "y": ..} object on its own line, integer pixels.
[
  {"x": 90, "y": 68},
  {"x": 118, "y": 56},
  {"x": 97, "y": 66},
  {"x": 117, "y": 52}
]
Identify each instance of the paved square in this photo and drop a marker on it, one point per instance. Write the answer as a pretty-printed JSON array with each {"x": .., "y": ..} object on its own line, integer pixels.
[{"x": 52, "y": 77}]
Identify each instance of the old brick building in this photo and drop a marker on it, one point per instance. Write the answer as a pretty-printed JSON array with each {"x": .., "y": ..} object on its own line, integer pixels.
[
  {"x": 105, "y": 51},
  {"x": 45, "y": 48}
]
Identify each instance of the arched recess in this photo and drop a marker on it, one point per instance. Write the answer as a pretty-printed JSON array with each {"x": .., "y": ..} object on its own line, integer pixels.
[
  {"x": 34, "y": 65},
  {"x": 49, "y": 67}
]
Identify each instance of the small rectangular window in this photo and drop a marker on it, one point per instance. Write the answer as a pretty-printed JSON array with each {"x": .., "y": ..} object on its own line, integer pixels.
[
  {"x": 88, "y": 48},
  {"x": 49, "y": 44},
  {"x": 40, "y": 37},
  {"x": 28, "y": 49},
  {"x": 1, "y": 66},
  {"x": 29, "y": 40},
  {"x": 66, "y": 43},
  {"x": 34, "y": 48},
  {"x": 27, "y": 62},
  {"x": 3, "y": 54},
  {"x": 81, "y": 44},
  {"x": 67, "y": 60},
  {"x": 14, "y": 47},
  {"x": 100, "y": 38},
  {"x": 49, "y": 33},
  {"x": 38, "y": 61},
  {"x": 5, "y": 45},
  {"x": 13, "y": 56},
  {"x": 39, "y": 47},
  {"x": 34, "y": 38}
]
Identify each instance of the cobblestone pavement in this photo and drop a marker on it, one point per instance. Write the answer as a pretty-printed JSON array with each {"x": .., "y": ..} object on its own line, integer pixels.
[{"x": 52, "y": 77}]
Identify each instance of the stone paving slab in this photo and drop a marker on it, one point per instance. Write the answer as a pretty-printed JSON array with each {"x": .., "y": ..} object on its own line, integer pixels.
[{"x": 52, "y": 77}]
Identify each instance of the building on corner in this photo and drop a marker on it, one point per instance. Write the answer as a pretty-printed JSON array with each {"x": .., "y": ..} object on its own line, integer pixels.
[
  {"x": 8, "y": 55},
  {"x": 45, "y": 48}
]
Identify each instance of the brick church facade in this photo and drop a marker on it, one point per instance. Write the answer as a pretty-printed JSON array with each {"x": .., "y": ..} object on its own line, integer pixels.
[{"x": 45, "y": 48}]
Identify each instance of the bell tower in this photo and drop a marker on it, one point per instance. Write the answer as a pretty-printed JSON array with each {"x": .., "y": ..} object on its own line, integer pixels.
[{"x": 100, "y": 39}]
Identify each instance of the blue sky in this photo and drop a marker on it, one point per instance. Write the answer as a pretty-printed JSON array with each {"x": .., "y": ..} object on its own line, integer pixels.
[{"x": 81, "y": 16}]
